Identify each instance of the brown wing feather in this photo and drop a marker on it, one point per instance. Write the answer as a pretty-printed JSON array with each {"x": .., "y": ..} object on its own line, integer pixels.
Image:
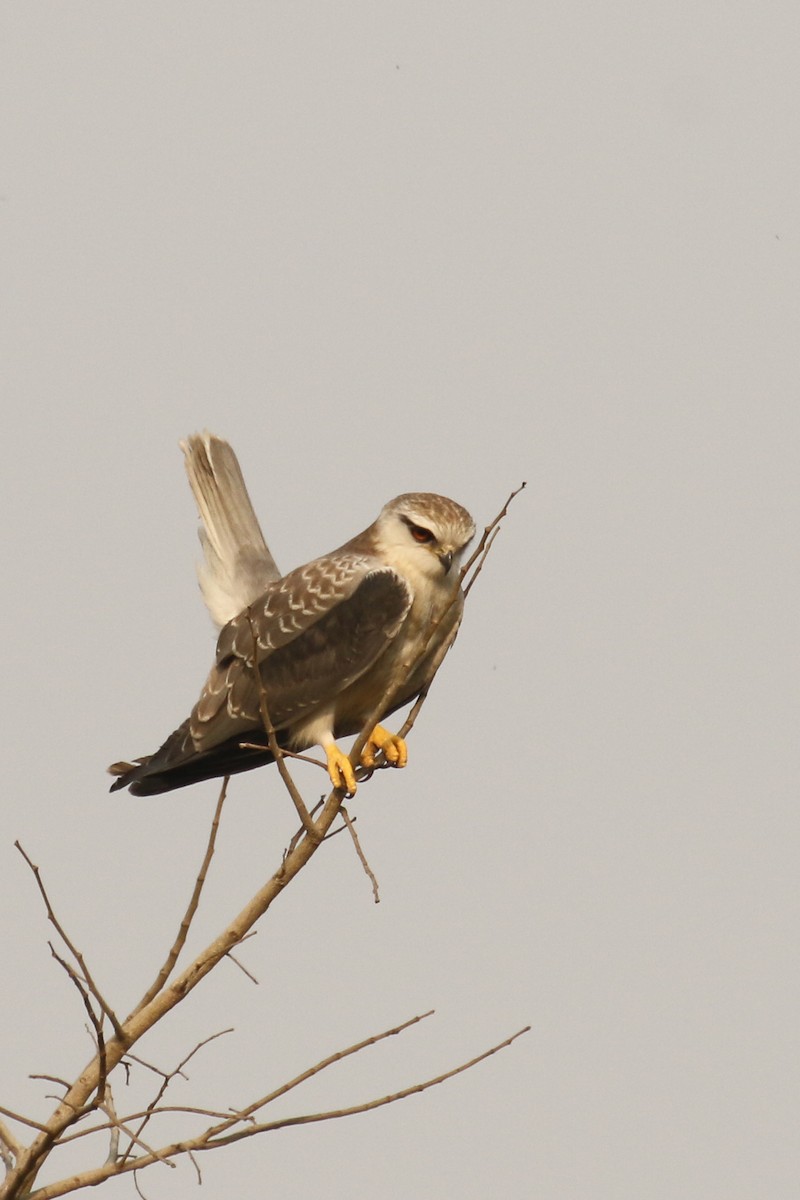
[
  {"x": 306, "y": 671},
  {"x": 310, "y": 649}
]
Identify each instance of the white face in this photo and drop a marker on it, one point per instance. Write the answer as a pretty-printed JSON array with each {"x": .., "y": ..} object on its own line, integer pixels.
[{"x": 426, "y": 537}]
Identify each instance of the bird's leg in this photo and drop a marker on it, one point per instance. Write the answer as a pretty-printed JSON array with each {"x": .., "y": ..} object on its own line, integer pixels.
[
  {"x": 340, "y": 768},
  {"x": 393, "y": 747}
]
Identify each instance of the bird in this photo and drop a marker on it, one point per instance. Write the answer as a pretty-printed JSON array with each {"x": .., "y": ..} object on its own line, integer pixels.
[{"x": 315, "y": 651}]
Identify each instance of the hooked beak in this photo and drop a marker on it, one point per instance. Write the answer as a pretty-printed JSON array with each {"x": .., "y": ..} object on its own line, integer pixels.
[{"x": 446, "y": 559}]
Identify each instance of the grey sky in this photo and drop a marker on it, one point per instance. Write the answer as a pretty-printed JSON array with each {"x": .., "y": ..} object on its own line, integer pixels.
[{"x": 392, "y": 247}]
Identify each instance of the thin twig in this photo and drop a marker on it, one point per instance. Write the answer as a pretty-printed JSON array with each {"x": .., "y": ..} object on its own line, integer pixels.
[
  {"x": 295, "y": 839},
  {"x": 339, "y": 829},
  {"x": 479, "y": 566},
  {"x": 214, "y": 1137},
  {"x": 76, "y": 954},
  {"x": 488, "y": 529},
  {"x": 97, "y": 1022},
  {"x": 246, "y": 1114},
  {"x": 343, "y": 813},
  {"x": 196, "y": 1166},
  {"x": 52, "y": 1079},
  {"x": 415, "y": 1089},
  {"x": 161, "y": 1110},
  {"x": 15, "y": 1116},
  {"x": 310, "y": 1072},
  {"x": 306, "y": 758},
  {"x": 242, "y": 968},
  {"x": 142, "y": 1062},
  {"x": 183, "y": 931},
  {"x": 166, "y": 1081},
  {"x": 118, "y": 1127}
]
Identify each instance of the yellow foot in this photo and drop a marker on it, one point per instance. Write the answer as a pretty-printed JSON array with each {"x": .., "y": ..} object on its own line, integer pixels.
[
  {"x": 393, "y": 747},
  {"x": 340, "y": 769}
]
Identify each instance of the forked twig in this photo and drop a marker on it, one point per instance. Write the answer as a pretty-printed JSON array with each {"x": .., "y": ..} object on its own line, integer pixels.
[
  {"x": 478, "y": 551},
  {"x": 166, "y": 1081},
  {"x": 76, "y": 954},
  {"x": 97, "y": 1022},
  {"x": 367, "y": 1106},
  {"x": 246, "y": 1114}
]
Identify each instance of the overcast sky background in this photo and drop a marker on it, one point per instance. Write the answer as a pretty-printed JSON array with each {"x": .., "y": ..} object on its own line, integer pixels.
[{"x": 390, "y": 247}]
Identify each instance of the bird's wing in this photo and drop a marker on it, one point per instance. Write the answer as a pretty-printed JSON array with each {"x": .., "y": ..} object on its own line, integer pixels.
[
  {"x": 237, "y": 566},
  {"x": 317, "y": 631}
]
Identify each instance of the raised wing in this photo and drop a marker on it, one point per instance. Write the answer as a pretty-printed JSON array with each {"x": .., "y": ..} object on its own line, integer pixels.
[{"x": 237, "y": 567}]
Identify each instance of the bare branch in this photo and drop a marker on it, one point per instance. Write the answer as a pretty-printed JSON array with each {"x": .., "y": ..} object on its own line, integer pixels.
[
  {"x": 117, "y": 1127},
  {"x": 51, "y": 1079},
  {"x": 242, "y": 968},
  {"x": 170, "y": 995},
  {"x": 15, "y": 1116},
  {"x": 76, "y": 954},
  {"x": 367, "y": 1106},
  {"x": 481, "y": 561},
  {"x": 362, "y": 858},
  {"x": 190, "y": 1110},
  {"x": 97, "y": 1022},
  {"x": 212, "y": 1138},
  {"x": 183, "y": 932},
  {"x": 228, "y": 1120},
  {"x": 167, "y": 1080},
  {"x": 196, "y": 1166},
  {"x": 478, "y": 551},
  {"x": 307, "y": 758},
  {"x": 309, "y": 1073}
]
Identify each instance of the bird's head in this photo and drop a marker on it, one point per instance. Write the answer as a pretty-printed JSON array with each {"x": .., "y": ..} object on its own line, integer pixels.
[{"x": 425, "y": 532}]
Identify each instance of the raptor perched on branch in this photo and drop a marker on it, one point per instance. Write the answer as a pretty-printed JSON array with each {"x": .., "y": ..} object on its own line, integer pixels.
[{"x": 318, "y": 649}]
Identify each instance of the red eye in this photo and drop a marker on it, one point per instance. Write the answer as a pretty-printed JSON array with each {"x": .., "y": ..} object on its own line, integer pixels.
[{"x": 421, "y": 535}]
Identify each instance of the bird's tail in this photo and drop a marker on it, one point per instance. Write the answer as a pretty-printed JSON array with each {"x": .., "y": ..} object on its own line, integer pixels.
[
  {"x": 237, "y": 566},
  {"x": 167, "y": 770}
]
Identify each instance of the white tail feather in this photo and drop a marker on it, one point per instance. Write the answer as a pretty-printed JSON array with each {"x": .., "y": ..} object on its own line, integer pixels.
[{"x": 237, "y": 565}]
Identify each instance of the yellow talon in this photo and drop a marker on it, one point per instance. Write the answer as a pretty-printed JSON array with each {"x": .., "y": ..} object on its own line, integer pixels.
[
  {"x": 340, "y": 769},
  {"x": 393, "y": 747}
]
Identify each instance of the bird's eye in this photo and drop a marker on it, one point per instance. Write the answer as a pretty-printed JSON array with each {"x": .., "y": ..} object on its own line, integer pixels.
[{"x": 421, "y": 535}]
